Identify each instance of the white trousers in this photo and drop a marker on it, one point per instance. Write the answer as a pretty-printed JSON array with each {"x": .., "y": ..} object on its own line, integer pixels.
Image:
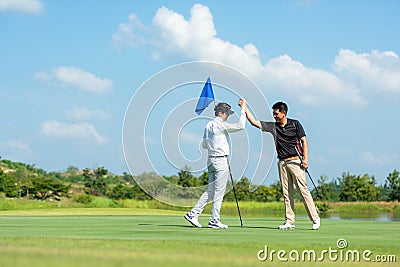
[{"x": 218, "y": 172}]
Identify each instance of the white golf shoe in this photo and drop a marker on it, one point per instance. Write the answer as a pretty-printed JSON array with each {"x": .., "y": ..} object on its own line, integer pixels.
[
  {"x": 316, "y": 224},
  {"x": 216, "y": 224},
  {"x": 286, "y": 226},
  {"x": 194, "y": 220}
]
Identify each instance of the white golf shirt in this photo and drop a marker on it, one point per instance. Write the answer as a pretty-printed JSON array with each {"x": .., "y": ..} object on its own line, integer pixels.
[{"x": 215, "y": 137}]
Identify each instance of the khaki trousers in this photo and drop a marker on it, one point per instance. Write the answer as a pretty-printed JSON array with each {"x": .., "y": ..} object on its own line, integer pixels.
[{"x": 290, "y": 172}]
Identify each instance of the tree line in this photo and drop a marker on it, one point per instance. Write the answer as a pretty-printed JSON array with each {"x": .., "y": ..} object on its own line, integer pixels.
[{"x": 24, "y": 180}]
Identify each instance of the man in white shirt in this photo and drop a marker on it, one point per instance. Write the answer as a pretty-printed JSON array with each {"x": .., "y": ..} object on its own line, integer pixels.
[{"x": 215, "y": 140}]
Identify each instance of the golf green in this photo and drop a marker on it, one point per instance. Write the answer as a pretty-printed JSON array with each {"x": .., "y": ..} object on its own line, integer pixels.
[{"x": 120, "y": 238}]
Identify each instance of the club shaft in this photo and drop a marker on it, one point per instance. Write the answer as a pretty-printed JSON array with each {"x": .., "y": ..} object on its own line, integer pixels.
[
  {"x": 315, "y": 187},
  {"x": 309, "y": 175},
  {"x": 234, "y": 192}
]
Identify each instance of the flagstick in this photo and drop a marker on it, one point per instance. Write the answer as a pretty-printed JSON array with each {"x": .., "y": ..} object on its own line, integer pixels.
[{"x": 211, "y": 90}]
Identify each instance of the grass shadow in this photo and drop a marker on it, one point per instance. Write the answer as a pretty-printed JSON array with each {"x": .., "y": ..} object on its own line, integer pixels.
[
  {"x": 252, "y": 227},
  {"x": 176, "y": 225},
  {"x": 166, "y": 225}
]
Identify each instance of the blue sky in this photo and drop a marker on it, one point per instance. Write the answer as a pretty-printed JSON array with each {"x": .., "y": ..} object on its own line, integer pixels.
[{"x": 69, "y": 71}]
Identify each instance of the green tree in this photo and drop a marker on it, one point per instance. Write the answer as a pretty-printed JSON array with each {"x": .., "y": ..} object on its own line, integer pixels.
[
  {"x": 242, "y": 190},
  {"x": 151, "y": 184},
  {"x": 45, "y": 187},
  {"x": 122, "y": 192},
  {"x": 174, "y": 179},
  {"x": 329, "y": 191},
  {"x": 100, "y": 172},
  {"x": 203, "y": 179},
  {"x": 8, "y": 185},
  {"x": 127, "y": 177},
  {"x": 72, "y": 169},
  {"x": 264, "y": 193},
  {"x": 186, "y": 178},
  {"x": 392, "y": 186},
  {"x": 358, "y": 188},
  {"x": 95, "y": 181},
  {"x": 139, "y": 193},
  {"x": 277, "y": 187}
]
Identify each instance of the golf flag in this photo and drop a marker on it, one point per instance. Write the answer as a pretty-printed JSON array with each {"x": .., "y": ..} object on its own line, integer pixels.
[{"x": 206, "y": 97}]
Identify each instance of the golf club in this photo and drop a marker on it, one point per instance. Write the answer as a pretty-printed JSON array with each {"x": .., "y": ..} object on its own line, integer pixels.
[
  {"x": 309, "y": 175},
  {"x": 234, "y": 192}
]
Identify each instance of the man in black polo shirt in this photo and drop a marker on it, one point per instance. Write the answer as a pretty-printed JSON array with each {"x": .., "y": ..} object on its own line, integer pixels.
[{"x": 288, "y": 134}]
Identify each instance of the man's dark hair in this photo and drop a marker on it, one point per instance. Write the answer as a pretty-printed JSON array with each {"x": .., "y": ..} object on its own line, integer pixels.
[
  {"x": 224, "y": 108},
  {"x": 281, "y": 106}
]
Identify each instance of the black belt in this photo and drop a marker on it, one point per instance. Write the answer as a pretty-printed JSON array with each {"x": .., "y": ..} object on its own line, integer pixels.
[{"x": 217, "y": 156}]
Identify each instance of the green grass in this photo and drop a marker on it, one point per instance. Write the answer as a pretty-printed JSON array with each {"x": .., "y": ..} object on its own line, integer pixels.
[
  {"x": 248, "y": 209},
  {"x": 139, "y": 237}
]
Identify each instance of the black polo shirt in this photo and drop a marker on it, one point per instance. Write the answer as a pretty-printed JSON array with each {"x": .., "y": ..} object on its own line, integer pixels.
[{"x": 286, "y": 138}]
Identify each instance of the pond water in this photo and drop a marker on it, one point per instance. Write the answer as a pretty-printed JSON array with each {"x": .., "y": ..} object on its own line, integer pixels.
[{"x": 384, "y": 217}]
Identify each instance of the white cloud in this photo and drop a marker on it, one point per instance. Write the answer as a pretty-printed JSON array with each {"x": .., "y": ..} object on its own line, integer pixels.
[
  {"x": 190, "y": 138},
  {"x": 16, "y": 149},
  {"x": 375, "y": 71},
  {"x": 77, "y": 78},
  {"x": 42, "y": 76},
  {"x": 379, "y": 159},
  {"x": 84, "y": 113},
  {"x": 28, "y": 6},
  {"x": 125, "y": 35},
  {"x": 16, "y": 145},
  {"x": 196, "y": 38},
  {"x": 80, "y": 131},
  {"x": 309, "y": 86},
  {"x": 319, "y": 159}
]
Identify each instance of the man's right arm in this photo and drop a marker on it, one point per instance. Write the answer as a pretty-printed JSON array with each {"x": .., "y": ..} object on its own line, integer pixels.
[{"x": 251, "y": 119}]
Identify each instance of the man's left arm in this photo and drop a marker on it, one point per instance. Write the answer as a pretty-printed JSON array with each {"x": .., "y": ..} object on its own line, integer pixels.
[
  {"x": 240, "y": 125},
  {"x": 304, "y": 144},
  {"x": 235, "y": 127}
]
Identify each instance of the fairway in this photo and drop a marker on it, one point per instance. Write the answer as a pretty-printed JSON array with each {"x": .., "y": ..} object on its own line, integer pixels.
[{"x": 124, "y": 237}]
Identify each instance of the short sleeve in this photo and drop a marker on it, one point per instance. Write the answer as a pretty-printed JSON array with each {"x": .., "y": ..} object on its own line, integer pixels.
[
  {"x": 300, "y": 130},
  {"x": 267, "y": 126}
]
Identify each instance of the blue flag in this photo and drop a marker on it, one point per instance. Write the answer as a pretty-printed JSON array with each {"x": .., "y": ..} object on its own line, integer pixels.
[{"x": 206, "y": 97}]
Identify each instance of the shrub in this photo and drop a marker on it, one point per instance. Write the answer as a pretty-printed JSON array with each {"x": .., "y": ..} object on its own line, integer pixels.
[{"x": 83, "y": 198}]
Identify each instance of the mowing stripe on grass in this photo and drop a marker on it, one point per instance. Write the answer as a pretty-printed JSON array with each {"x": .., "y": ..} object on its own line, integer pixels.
[{"x": 168, "y": 240}]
